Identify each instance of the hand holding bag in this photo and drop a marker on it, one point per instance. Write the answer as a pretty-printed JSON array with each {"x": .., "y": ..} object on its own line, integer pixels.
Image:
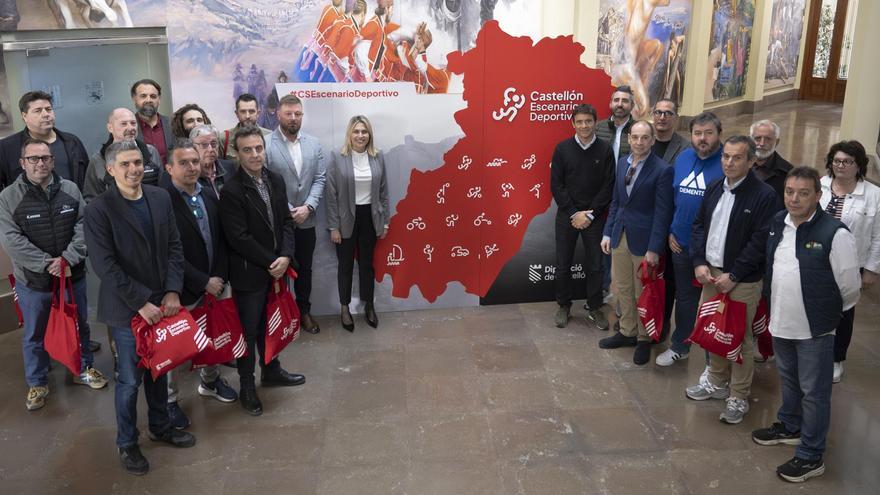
[
  {"x": 169, "y": 343},
  {"x": 282, "y": 317},
  {"x": 720, "y": 327},
  {"x": 62, "y": 330},
  {"x": 218, "y": 318}
]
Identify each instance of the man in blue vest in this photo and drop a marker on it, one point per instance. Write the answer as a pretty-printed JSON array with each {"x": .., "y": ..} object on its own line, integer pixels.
[{"x": 806, "y": 247}]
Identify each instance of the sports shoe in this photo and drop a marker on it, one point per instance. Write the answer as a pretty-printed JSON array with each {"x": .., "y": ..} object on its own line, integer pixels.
[
  {"x": 617, "y": 340},
  {"x": 175, "y": 438},
  {"x": 838, "y": 372},
  {"x": 36, "y": 397},
  {"x": 219, "y": 390},
  {"x": 133, "y": 461},
  {"x": 91, "y": 378},
  {"x": 798, "y": 470},
  {"x": 598, "y": 318},
  {"x": 776, "y": 435},
  {"x": 668, "y": 357},
  {"x": 642, "y": 354},
  {"x": 561, "y": 318},
  {"x": 177, "y": 417},
  {"x": 735, "y": 410},
  {"x": 705, "y": 391}
]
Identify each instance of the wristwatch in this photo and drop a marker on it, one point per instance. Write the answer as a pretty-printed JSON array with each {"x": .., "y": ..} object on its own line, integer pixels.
[
  {"x": 732, "y": 277},
  {"x": 311, "y": 208}
]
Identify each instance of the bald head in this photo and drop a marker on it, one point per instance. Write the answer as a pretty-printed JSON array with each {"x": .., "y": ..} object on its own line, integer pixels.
[{"x": 122, "y": 125}]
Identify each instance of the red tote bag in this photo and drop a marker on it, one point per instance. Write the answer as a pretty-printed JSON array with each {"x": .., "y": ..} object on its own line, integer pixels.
[
  {"x": 62, "y": 330},
  {"x": 720, "y": 327},
  {"x": 761, "y": 330},
  {"x": 282, "y": 317},
  {"x": 15, "y": 300},
  {"x": 218, "y": 318},
  {"x": 169, "y": 343},
  {"x": 652, "y": 301}
]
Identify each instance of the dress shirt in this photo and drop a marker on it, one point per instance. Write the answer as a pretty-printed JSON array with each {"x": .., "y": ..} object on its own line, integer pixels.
[
  {"x": 788, "y": 318},
  {"x": 618, "y": 131},
  {"x": 717, "y": 234},
  {"x": 585, "y": 146},
  {"x": 363, "y": 178},
  {"x": 639, "y": 166},
  {"x": 197, "y": 205},
  {"x": 295, "y": 150}
]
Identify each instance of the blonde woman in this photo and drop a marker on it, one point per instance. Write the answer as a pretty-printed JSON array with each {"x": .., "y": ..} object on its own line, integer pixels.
[{"x": 357, "y": 213}]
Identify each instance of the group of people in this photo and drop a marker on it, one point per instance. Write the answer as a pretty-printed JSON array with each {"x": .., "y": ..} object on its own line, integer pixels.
[
  {"x": 165, "y": 216},
  {"x": 721, "y": 216}
]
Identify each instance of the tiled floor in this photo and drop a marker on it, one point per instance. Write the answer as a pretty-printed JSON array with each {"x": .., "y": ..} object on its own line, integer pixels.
[{"x": 491, "y": 400}]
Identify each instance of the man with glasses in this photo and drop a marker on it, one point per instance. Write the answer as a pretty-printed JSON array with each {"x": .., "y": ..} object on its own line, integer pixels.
[
  {"x": 769, "y": 167},
  {"x": 638, "y": 223},
  {"x": 71, "y": 158},
  {"x": 695, "y": 168},
  {"x": 247, "y": 110},
  {"x": 41, "y": 229},
  {"x": 668, "y": 143},
  {"x": 215, "y": 172},
  {"x": 299, "y": 159},
  {"x": 205, "y": 263}
]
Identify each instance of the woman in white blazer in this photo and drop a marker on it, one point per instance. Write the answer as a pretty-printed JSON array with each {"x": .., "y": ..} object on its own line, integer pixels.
[
  {"x": 356, "y": 196},
  {"x": 856, "y": 202}
]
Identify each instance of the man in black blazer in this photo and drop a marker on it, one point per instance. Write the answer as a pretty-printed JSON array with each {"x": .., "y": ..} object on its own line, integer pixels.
[
  {"x": 135, "y": 250},
  {"x": 205, "y": 263},
  {"x": 259, "y": 231}
]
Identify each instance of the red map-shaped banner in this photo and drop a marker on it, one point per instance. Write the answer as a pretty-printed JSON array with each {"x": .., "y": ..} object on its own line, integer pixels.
[{"x": 463, "y": 221}]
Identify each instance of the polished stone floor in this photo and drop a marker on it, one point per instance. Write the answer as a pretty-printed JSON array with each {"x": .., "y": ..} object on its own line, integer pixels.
[{"x": 491, "y": 400}]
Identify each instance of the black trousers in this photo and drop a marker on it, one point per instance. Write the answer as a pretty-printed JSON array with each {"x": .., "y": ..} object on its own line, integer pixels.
[
  {"x": 669, "y": 277},
  {"x": 304, "y": 240},
  {"x": 363, "y": 238},
  {"x": 843, "y": 335},
  {"x": 252, "y": 312},
  {"x": 566, "y": 242}
]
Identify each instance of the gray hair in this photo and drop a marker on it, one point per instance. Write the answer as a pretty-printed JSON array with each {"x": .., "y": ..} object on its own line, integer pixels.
[
  {"x": 119, "y": 147},
  {"x": 750, "y": 144},
  {"x": 204, "y": 130},
  {"x": 776, "y": 130}
]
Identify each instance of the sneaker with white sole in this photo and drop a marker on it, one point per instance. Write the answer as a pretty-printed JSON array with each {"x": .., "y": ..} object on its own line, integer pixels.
[
  {"x": 91, "y": 377},
  {"x": 668, "y": 357},
  {"x": 735, "y": 411},
  {"x": 776, "y": 434},
  {"x": 36, "y": 397},
  {"x": 838, "y": 373},
  {"x": 798, "y": 470},
  {"x": 218, "y": 389},
  {"x": 597, "y": 317},
  {"x": 705, "y": 391}
]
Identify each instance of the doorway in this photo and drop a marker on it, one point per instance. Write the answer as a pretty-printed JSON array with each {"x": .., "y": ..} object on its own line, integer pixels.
[{"x": 828, "y": 48}]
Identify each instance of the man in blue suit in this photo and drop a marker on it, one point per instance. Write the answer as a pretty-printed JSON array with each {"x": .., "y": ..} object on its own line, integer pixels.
[
  {"x": 299, "y": 159},
  {"x": 636, "y": 230}
]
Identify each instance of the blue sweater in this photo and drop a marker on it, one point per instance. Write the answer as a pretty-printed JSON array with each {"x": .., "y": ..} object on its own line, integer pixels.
[{"x": 692, "y": 175}]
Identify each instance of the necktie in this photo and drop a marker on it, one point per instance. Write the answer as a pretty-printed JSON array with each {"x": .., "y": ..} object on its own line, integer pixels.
[{"x": 630, "y": 174}]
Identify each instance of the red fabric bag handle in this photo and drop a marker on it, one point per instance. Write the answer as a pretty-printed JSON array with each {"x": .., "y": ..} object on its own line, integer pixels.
[{"x": 59, "y": 284}]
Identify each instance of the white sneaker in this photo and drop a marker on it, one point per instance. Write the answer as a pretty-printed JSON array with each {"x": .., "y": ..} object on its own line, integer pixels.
[
  {"x": 735, "y": 410},
  {"x": 667, "y": 357},
  {"x": 838, "y": 372}
]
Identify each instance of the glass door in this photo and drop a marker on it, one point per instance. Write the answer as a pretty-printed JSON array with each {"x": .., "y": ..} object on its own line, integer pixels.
[{"x": 828, "y": 48}]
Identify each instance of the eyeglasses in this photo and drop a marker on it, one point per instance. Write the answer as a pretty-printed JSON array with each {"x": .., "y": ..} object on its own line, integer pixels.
[
  {"x": 663, "y": 113},
  {"x": 33, "y": 160},
  {"x": 208, "y": 145},
  {"x": 836, "y": 161}
]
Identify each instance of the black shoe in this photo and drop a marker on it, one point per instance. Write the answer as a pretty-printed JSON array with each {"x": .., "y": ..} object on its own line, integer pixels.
[
  {"x": 776, "y": 435},
  {"x": 249, "y": 401},
  {"x": 371, "y": 316},
  {"x": 177, "y": 417},
  {"x": 175, "y": 438},
  {"x": 94, "y": 346},
  {"x": 347, "y": 320},
  {"x": 281, "y": 377},
  {"x": 309, "y": 324},
  {"x": 617, "y": 340},
  {"x": 133, "y": 461},
  {"x": 642, "y": 354},
  {"x": 798, "y": 470}
]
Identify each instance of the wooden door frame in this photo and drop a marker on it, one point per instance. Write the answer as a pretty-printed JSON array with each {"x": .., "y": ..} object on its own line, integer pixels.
[{"x": 833, "y": 89}]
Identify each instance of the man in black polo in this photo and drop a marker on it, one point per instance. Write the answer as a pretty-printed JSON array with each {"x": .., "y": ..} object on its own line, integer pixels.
[
  {"x": 581, "y": 178},
  {"x": 135, "y": 249}
]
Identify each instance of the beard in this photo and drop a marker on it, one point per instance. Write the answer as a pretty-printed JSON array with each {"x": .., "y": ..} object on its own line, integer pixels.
[
  {"x": 148, "y": 110},
  {"x": 292, "y": 128},
  {"x": 763, "y": 155}
]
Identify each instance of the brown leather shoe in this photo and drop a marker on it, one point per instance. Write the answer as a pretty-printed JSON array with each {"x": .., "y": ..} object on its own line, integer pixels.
[{"x": 309, "y": 324}]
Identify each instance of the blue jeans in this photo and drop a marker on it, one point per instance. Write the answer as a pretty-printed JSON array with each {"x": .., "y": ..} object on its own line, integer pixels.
[
  {"x": 127, "y": 384},
  {"x": 805, "y": 371},
  {"x": 687, "y": 299},
  {"x": 35, "y": 306}
]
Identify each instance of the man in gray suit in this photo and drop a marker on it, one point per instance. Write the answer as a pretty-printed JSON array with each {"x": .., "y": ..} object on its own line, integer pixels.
[{"x": 298, "y": 158}]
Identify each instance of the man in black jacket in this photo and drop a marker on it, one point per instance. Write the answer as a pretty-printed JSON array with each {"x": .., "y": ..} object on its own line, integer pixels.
[
  {"x": 205, "y": 262},
  {"x": 215, "y": 172},
  {"x": 259, "y": 232},
  {"x": 581, "y": 179},
  {"x": 728, "y": 247},
  {"x": 71, "y": 159},
  {"x": 770, "y": 167},
  {"x": 135, "y": 249}
]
